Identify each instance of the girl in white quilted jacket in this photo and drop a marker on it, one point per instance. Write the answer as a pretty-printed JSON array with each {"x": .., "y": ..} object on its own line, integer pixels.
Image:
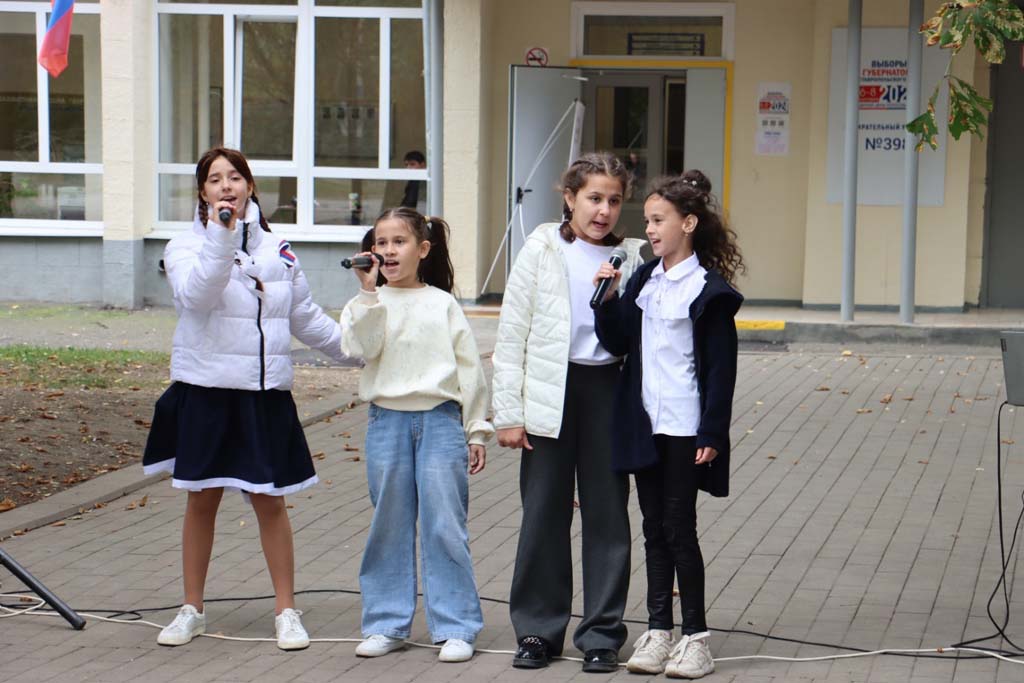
[
  {"x": 553, "y": 389},
  {"x": 228, "y": 419}
]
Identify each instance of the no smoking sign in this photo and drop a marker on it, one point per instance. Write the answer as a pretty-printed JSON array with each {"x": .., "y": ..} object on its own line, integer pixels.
[{"x": 536, "y": 56}]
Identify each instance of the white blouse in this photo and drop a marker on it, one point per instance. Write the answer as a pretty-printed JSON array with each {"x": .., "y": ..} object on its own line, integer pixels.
[{"x": 670, "y": 393}]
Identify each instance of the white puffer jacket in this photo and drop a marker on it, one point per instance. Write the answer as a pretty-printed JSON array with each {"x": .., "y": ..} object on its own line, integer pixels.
[
  {"x": 237, "y": 312},
  {"x": 531, "y": 353}
]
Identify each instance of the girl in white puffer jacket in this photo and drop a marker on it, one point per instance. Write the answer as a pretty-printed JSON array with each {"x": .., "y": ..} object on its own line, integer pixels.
[
  {"x": 228, "y": 420},
  {"x": 553, "y": 390}
]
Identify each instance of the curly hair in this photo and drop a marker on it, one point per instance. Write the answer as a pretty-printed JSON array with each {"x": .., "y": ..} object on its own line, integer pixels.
[{"x": 714, "y": 241}]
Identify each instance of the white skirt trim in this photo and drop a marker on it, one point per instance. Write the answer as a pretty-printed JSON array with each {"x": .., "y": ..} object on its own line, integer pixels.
[{"x": 245, "y": 487}]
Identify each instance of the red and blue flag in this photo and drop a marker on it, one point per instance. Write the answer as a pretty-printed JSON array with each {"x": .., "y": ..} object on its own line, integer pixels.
[{"x": 53, "y": 55}]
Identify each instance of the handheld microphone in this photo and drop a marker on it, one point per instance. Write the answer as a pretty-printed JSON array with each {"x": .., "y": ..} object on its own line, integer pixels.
[
  {"x": 224, "y": 215},
  {"x": 617, "y": 257},
  {"x": 362, "y": 262}
]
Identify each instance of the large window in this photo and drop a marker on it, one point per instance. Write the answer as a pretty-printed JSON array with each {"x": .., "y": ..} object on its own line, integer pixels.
[
  {"x": 324, "y": 97},
  {"x": 643, "y": 30},
  {"x": 50, "y": 128}
]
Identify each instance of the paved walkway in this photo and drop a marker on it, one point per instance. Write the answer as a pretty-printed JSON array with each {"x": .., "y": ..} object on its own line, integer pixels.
[{"x": 862, "y": 513}]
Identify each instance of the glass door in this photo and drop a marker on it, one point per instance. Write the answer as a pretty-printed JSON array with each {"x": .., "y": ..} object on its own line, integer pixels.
[{"x": 624, "y": 116}]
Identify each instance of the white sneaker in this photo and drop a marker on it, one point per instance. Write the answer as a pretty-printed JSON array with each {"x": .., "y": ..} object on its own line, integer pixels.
[
  {"x": 650, "y": 652},
  {"x": 188, "y": 624},
  {"x": 455, "y": 650},
  {"x": 290, "y": 633},
  {"x": 377, "y": 645},
  {"x": 691, "y": 657}
]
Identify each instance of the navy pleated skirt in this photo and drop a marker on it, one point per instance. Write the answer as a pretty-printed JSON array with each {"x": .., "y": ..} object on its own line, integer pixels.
[{"x": 251, "y": 441}]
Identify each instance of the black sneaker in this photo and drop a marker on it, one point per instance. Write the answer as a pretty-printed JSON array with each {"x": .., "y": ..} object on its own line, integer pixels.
[
  {"x": 532, "y": 653},
  {"x": 598, "y": 661}
]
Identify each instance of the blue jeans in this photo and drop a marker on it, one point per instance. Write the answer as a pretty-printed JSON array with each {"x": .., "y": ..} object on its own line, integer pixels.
[{"x": 416, "y": 464}]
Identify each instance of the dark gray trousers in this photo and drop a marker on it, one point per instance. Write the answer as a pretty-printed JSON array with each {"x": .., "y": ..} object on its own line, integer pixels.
[{"x": 541, "y": 599}]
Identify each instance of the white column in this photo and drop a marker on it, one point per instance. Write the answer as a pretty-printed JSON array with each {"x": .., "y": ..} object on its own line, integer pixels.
[
  {"x": 128, "y": 36},
  {"x": 463, "y": 167}
]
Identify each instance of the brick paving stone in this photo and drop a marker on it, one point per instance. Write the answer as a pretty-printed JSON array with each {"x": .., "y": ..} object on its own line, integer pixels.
[{"x": 851, "y": 521}]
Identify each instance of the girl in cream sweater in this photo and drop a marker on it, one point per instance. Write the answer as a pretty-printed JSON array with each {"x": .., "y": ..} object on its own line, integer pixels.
[{"x": 428, "y": 400}]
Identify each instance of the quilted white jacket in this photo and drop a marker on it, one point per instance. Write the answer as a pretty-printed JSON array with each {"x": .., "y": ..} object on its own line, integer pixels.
[
  {"x": 531, "y": 353},
  {"x": 237, "y": 311}
]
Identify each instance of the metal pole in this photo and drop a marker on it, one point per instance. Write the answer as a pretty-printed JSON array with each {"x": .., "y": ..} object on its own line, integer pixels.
[
  {"x": 433, "y": 76},
  {"x": 910, "y": 164},
  {"x": 850, "y": 150},
  {"x": 72, "y": 617}
]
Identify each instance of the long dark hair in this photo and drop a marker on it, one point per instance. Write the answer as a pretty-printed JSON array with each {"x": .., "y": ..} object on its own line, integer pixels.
[
  {"x": 575, "y": 178},
  {"x": 236, "y": 159},
  {"x": 714, "y": 241},
  {"x": 436, "y": 269}
]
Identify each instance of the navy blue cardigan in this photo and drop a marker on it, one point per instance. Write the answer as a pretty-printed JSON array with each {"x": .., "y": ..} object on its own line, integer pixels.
[{"x": 619, "y": 322}]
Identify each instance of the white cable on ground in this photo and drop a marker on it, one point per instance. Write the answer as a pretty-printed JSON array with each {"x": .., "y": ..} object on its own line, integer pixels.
[{"x": 35, "y": 611}]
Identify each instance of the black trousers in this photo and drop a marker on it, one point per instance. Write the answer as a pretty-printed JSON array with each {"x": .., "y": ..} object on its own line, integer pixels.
[
  {"x": 668, "y": 501},
  {"x": 541, "y": 599}
]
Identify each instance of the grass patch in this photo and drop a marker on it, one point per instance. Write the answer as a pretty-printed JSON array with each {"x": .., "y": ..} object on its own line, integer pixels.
[
  {"x": 34, "y": 311},
  {"x": 24, "y": 366}
]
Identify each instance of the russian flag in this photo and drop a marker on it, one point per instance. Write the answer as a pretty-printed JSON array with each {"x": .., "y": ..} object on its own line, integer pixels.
[{"x": 53, "y": 55}]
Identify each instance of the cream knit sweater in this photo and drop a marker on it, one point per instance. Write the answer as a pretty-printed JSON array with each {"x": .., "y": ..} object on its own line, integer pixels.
[{"x": 419, "y": 352}]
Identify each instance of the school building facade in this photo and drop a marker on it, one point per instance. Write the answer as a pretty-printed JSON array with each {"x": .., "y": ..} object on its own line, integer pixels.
[{"x": 326, "y": 97}]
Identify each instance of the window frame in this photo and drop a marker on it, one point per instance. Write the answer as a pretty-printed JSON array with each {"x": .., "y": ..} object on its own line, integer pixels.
[
  {"x": 45, "y": 227},
  {"x": 725, "y": 10},
  {"x": 305, "y": 13}
]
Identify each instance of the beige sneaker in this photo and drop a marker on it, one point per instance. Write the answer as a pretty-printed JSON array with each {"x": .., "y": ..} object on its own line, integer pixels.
[
  {"x": 691, "y": 657},
  {"x": 650, "y": 652},
  {"x": 188, "y": 624}
]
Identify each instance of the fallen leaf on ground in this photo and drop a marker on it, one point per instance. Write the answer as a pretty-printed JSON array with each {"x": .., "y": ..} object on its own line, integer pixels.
[
  {"x": 862, "y": 411},
  {"x": 352, "y": 458},
  {"x": 350, "y": 448},
  {"x": 60, "y": 523},
  {"x": 886, "y": 399},
  {"x": 7, "y": 504}
]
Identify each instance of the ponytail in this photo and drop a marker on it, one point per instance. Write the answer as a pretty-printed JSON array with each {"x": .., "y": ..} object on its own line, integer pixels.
[{"x": 436, "y": 268}]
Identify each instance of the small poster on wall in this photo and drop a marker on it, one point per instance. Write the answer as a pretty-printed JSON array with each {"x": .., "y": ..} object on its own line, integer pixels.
[{"x": 772, "y": 136}]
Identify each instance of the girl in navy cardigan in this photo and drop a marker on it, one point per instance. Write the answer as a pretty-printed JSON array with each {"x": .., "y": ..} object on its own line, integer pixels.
[{"x": 674, "y": 402}]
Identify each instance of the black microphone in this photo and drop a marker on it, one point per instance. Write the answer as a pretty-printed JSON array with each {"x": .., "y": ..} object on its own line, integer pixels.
[
  {"x": 362, "y": 262},
  {"x": 617, "y": 257},
  {"x": 224, "y": 215}
]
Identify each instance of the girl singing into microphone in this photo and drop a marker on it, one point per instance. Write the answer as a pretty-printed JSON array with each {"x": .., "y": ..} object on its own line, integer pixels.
[
  {"x": 553, "y": 386},
  {"x": 676, "y": 323},
  {"x": 428, "y": 397},
  {"x": 228, "y": 420}
]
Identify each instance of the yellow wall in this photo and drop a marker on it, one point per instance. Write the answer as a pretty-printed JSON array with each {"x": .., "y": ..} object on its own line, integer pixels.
[
  {"x": 942, "y": 230},
  {"x": 790, "y": 236}
]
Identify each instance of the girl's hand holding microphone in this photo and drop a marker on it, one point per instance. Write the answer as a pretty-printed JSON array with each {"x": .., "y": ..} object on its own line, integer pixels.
[
  {"x": 366, "y": 266},
  {"x": 608, "y": 272},
  {"x": 223, "y": 214}
]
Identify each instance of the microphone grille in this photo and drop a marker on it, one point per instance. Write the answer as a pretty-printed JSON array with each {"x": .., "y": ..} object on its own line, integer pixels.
[{"x": 619, "y": 253}]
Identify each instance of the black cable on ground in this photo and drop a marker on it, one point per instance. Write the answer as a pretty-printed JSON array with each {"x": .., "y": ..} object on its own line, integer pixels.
[{"x": 1005, "y": 554}]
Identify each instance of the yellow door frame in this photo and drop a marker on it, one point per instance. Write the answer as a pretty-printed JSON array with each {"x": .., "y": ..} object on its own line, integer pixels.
[{"x": 670, "y": 64}]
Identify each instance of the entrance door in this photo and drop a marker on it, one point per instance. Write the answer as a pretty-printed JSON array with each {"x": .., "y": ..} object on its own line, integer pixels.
[
  {"x": 658, "y": 123},
  {"x": 541, "y": 118},
  {"x": 1005, "y": 245},
  {"x": 625, "y": 115}
]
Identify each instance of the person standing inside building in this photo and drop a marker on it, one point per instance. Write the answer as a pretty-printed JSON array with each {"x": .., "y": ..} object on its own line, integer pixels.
[
  {"x": 228, "y": 420},
  {"x": 553, "y": 387},
  {"x": 415, "y": 196},
  {"x": 675, "y": 322}
]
